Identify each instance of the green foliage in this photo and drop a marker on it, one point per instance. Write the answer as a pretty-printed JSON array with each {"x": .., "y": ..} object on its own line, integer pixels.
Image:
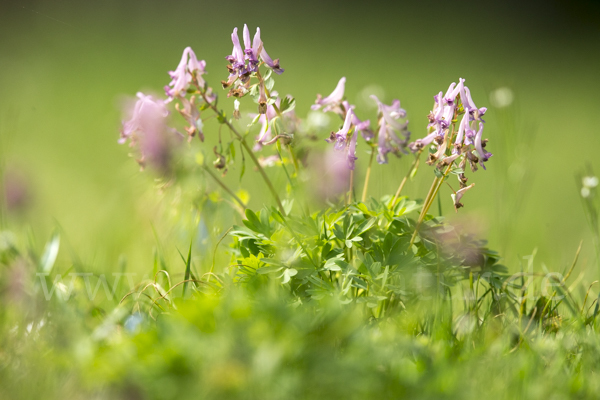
[
  {"x": 357, "y": 254},
  {"x": 335, "y": 304}
]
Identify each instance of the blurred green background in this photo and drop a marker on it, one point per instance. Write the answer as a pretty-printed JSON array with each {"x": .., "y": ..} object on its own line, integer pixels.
[{"x": 65, "y": 67}]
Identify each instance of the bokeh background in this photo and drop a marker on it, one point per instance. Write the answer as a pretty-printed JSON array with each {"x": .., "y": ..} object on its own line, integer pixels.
[{"x": 66, "y": 66}]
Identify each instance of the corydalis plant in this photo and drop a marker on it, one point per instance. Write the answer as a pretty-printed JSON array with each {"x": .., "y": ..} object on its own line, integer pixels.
[
  {"x": 393, "y": 135},
  {"x": 345, "y": 140},
  {"x": 452, "y": 149},
  {"x": 244, "y": 64}
]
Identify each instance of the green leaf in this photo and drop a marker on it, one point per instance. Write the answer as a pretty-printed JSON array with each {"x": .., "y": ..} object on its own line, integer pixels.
[
  {"x": 232, "y": 150},
  {"x": 255, "y": 120},
  {"x": 269, "y": 83},
  {"x": 267, "y": 270},
  {"x": 251, "y": 221},
  {"x": 268, "y": 74},
  {"x": 287, "y": 104},
  {"x": 287, "y": 274},
  {"x": 365, "y": 226},
  {"x": 188, "y": 265},
  {"x": 242, "y": 170},
  {"x": 338, "y": 232}
]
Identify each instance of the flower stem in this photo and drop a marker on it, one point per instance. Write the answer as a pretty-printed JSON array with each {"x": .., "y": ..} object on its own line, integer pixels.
[
  {"x": 437, "y": 183},
  {"x": 414, "y": 166},
  {"x": 350, "y": 189},
  {"x": 368, "y": 175},
  {"x": 225, "y": 187},
  {"x": 278, "y": 148},
  {"x": 294, "y": 158},
  {"x": 279, "y": 113},
  {"x": 242, "y": 140}
]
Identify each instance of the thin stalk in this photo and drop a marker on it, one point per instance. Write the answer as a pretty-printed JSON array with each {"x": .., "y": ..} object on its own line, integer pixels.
[
  {"x": 368, "y": 175},
  {"x": 278, "y": 147},
  {"x": 414, "y": 165},
  {"x": 433, "y": 191},
  {"x": 349, "y": 199},
  {"x": 294, "y": 158},
  {"x": 225, "y": 187},
  {"x": 437, "y": 182},
  {"x": 242, "y": 140},
  {"x": 279, "y": 113}
]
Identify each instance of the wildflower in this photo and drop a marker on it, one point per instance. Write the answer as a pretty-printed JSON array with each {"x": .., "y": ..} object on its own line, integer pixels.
[
  {"x": 146, "y": 127},
  {"x": 192, "y": 116},
  {"x": 189, "y": 68},
  {"x": 147, "y": 115},
  {"x": 245, "y": 62},
  {"x": 456, "y": 197},
  {"x": 333, "y": 100},
  {"x": 335, "y": 103},
  {"x": 389, "y": 128},
  {"x": 364, "y": 127},
  {"x": 468, "y": 146},
  {"x": 264, "y": 135},
  {"x": 420, "y": 144},
  {"x": 288, "y": 120},
  {"x": 342, "y": 142},
  {"x": 469, "y": 137}
]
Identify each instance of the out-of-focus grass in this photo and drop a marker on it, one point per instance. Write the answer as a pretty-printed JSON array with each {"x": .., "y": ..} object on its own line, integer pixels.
[{"x": 65, "y": 65}]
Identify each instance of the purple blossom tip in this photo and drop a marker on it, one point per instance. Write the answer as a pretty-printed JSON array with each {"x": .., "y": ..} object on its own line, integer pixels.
[{"x": 334, "y": 99}]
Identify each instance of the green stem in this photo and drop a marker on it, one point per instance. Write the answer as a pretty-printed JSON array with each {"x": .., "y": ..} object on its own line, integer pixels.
[
  {"x": 368, "y": 175},
  {"x": 278, "y": 147},
  {"x": 294, "y": 158},
  {"x": 225, "y": 187},
  {"x": 433, "y": 191},
  {"x": 414, "y": 165},
  {"x": 242, "y": 139},
  {"x": 278, "y": 111},
  {"x": 349, "y": 198}
]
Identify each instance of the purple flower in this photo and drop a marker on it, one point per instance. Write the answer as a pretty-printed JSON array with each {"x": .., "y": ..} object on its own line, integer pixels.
[
  {"x": 364, "y": 127},
  {"x": 188, "y": 68},
  {"x": 390, "y": 127},
  {"x": 244, "y": 62},
  {"x": 252, "y": 50},
  {"x": 274, "y": 65},
  {"x": 146, "y": 128},
  {"x": 147, "y": 114},
  {"x": 265, "y": 136},
  {"x": 333, "y": 100},
  {"x": 420, "y": 144},
  {"x": 453, "y": 91},
  {"x": 469, "y": 145},
  {"x": 342, "y": 142},
  {"x": 479, "y": 145}
]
